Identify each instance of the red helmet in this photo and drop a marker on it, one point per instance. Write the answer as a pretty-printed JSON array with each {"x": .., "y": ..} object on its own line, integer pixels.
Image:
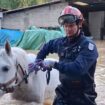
[{"x": 70, "y": 15}]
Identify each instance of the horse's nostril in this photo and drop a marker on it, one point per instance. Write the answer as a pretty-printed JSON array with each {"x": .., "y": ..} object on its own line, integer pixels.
[{"x": 5, "y": 69}]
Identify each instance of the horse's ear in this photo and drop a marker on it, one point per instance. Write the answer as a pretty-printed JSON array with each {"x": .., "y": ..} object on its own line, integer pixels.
[{"x": 8, "y": 48}]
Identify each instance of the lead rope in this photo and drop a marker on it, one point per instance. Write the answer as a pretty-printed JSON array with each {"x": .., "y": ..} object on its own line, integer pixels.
[
  {"x": 48, "y": 75},
  {"x": 26, "y": 75},
  {"x": 39, "y": 66}
]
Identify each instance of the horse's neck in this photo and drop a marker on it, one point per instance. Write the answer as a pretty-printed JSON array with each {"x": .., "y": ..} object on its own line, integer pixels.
[
  {"x": 30, "y": 91},
  {"x": 21, "y": 57},
  {"x": 39, "y": 88}
]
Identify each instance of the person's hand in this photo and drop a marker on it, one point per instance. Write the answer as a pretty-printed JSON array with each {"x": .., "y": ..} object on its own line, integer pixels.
[
  {"x": 46, "y": 64},
  {"x": 49, "y": 63},
  {"x": 41, "y": 65},
  {"x": 31, "y": 67},
  {"x": 34, "y": 66}
]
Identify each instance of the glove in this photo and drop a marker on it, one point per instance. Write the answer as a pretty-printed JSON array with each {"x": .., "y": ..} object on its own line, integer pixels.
[
  {"x": 41, "y": 65},
  {"x": 48, "y": 63},
  {"x": 34, "y": 66}
]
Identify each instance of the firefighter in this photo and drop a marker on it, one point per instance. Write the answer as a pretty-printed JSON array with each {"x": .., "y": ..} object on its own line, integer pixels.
[{"x": 77, "y": 61}]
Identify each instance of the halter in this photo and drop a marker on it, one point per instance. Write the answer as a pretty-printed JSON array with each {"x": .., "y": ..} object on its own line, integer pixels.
[{"x": 3, "y": 86}]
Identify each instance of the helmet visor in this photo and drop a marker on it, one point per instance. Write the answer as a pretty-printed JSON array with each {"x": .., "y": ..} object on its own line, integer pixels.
[{"x": 67, "y": 19}]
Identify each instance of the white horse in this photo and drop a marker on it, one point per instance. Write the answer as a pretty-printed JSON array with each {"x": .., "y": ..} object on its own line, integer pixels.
[{"x": 14, "y": 65}]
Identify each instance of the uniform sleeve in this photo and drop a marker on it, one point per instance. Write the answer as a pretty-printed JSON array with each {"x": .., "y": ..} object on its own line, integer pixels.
[
  {"x": 86, "y": 58},
  {"x": 50, "y": 47}
]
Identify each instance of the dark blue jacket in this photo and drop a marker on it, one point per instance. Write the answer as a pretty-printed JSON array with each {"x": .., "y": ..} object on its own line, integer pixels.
[{"x": 77, "y": 60}]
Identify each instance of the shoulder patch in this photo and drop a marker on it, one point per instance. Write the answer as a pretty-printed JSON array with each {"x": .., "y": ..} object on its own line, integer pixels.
[{"x": 91, "y": 46}]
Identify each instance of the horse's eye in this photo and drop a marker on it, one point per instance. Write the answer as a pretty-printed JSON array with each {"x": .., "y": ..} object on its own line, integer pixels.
[{"x": 5, "y": 69}]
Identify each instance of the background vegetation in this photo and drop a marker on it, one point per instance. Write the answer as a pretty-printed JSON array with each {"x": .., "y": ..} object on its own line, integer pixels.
[{"x": 13, "y": 4}]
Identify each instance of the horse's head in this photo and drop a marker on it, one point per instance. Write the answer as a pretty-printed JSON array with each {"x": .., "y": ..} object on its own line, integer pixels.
[{"x": 11, "y": 60}]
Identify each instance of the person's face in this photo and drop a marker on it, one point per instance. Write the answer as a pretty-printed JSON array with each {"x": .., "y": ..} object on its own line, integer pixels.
[{"x": 70, "y": 29}]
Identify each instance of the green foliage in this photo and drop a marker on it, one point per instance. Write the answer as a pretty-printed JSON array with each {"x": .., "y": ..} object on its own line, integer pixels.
[
  {"x": 26, "y": 3},
  {"x": 13, "y": 4},
  {"x": 41, "y": 1},
  {"x": 9, "y": 4}
]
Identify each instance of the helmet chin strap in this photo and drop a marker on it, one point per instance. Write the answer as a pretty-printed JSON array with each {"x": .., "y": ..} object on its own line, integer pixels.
[{"x": 76, "y": 34}]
